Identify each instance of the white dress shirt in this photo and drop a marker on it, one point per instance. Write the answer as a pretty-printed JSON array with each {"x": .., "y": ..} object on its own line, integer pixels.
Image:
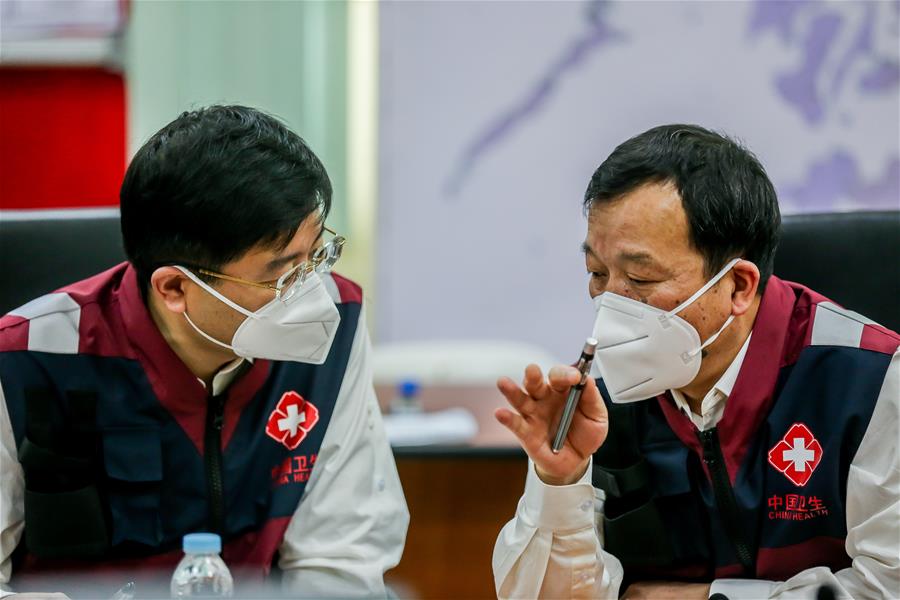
[
  {"x": 553, "y": 547},
  {"x": 350, "y": 525},
  {"x": 713, "y": 405}
]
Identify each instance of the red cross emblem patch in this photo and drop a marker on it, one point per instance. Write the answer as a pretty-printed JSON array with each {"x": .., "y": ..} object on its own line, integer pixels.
[
  {"x": 291, "y": 420},
  {"x": 797, "y": 454}
]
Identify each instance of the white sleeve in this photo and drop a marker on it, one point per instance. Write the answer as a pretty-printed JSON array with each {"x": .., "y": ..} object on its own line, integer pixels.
[
  {"x": 552, "y": 547},
  {"x": 350, "y": 526},
  {"x": 12, "y": 495},
  {"x": 873, "y": 518}
]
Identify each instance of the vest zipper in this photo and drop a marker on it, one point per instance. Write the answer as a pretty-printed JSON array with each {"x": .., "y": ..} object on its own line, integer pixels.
[
  {"x": 728, "y": 510},
  {"x": 212, "y": 457}
]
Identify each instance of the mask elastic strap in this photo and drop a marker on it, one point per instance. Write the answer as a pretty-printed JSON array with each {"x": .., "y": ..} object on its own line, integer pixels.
[
  {"x": 712, "y": 338},
  {"x": 215, "y": 294},
  {"x": 704, "y": 289},
  {"x": 206, "y": 335}
]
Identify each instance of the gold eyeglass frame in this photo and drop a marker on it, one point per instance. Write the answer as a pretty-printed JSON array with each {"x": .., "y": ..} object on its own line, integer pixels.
[{"x": 332, "y": 248}]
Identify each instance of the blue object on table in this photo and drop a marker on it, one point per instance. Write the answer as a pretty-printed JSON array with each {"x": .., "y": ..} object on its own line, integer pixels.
[{"x": 408, "y": 388}]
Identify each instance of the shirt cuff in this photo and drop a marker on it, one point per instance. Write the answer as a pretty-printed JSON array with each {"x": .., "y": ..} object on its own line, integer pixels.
[
  {"x": 558, "y": 507},
  {"x": 742, "y": 589}
]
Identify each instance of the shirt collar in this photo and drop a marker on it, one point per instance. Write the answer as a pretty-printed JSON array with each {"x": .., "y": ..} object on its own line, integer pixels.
[
  {"x": 226, "y": 375},
  {"x": 726, "y": 382}
]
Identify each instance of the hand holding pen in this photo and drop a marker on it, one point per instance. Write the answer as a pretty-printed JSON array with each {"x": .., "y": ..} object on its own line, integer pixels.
[
  {"x": 584, "y": 366},
  {"x": 538, "y": 407}
]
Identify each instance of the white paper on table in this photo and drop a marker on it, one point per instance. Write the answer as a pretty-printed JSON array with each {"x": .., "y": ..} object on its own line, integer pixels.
[{"x": 451, "y": 426}]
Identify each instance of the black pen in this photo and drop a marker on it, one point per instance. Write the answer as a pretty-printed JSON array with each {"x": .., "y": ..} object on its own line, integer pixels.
[{"x": 583, "y": 365}]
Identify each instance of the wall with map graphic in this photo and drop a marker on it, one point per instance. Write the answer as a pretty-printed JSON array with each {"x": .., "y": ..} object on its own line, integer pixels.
[{"x": 495, "y": 114}]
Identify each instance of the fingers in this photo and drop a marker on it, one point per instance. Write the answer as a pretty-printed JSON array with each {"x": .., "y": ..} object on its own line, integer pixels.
[
  {"x": 512, "y": 421},
  {"x": 561, "y": 378},
  {"x": 515, "y": 395},
  {"x": 534, "y": 381}
]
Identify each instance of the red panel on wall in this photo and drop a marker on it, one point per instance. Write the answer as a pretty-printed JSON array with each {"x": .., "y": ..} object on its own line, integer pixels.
[{"x": 62, "y": 137}]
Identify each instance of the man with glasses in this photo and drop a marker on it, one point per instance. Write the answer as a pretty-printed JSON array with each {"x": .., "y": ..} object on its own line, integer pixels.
[{"x": 220, "y": 380}]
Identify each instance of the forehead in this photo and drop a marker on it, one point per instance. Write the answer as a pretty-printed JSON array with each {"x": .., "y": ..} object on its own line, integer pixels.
[
  {"x": 299, "y": 245},
  {"x": 305, "y": 235},
  {"x": 649, "y": 219}
]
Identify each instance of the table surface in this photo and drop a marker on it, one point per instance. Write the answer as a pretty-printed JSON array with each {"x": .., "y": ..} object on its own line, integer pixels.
[{"x": 492, "y": 437}]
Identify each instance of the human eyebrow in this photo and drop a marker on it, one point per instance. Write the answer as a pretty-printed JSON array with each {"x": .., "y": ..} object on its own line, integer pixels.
[
  {"x": 586, "y": 249},
  {"x": 277, "y": 264},
  {"x": 643, "y": 258}
]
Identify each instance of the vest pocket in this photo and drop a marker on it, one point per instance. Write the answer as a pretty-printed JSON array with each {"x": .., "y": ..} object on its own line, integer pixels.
[
  {"x": 65, "y": 524},
  {"x": 679, "y": 506},
  {"x": 621, "y": 482},
  {"x": 639, "y": 500},
  {"x": 64, "y": 516},
  {"x": 633, "y": 529},
  {"x": 132, "y": 459},
  {"x": 638, "y": 538}
]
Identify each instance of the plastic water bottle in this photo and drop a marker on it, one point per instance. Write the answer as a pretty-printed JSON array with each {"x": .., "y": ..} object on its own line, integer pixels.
[
  {"x": 406, "y": 399},
  {"x": 202, "y": 572}
]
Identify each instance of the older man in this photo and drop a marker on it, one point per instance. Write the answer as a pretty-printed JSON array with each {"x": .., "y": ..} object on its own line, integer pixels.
[{"x": 742, "y": 435}]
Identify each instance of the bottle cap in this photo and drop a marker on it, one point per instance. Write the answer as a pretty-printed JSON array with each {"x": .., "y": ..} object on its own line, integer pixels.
[
  {"x": 408, "y": 388},
  {"x": 201, "y": 543}
]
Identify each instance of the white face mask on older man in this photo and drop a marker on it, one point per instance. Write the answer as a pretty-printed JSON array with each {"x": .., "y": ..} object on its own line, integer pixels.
[{"x": 643, "y": 351}]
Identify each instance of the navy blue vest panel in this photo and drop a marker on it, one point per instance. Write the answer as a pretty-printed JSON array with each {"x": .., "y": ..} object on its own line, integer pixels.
[{"x": 150, "y": 471}]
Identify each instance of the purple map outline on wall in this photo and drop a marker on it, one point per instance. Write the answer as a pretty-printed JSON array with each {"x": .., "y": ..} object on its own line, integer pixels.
[
  {"x": 599, "y": 35},
  {"x": 809, "y": 87},
  {"x": 828, "y": 67},
  {"x": 835, "y": 178},
  {"x": 829, "y": 182}
]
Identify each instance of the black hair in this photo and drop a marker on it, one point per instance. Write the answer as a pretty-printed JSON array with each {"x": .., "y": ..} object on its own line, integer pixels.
[
  {"x": 731, "y": 205},
  {"x": 213, "y": 184}
]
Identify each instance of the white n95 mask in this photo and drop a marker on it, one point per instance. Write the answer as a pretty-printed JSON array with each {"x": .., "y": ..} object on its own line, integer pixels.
[
  {"x": 643, "y": 351},
  {"x": 301, "y": 330}
]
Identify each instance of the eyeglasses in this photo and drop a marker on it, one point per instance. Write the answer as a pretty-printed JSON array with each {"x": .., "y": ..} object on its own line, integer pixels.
[{"x": 286, "y": 286}]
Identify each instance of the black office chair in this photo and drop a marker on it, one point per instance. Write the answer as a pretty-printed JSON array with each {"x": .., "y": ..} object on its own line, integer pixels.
[
  {"x": 852, "y": 258},
  {"x": 42, "y": 252}
]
